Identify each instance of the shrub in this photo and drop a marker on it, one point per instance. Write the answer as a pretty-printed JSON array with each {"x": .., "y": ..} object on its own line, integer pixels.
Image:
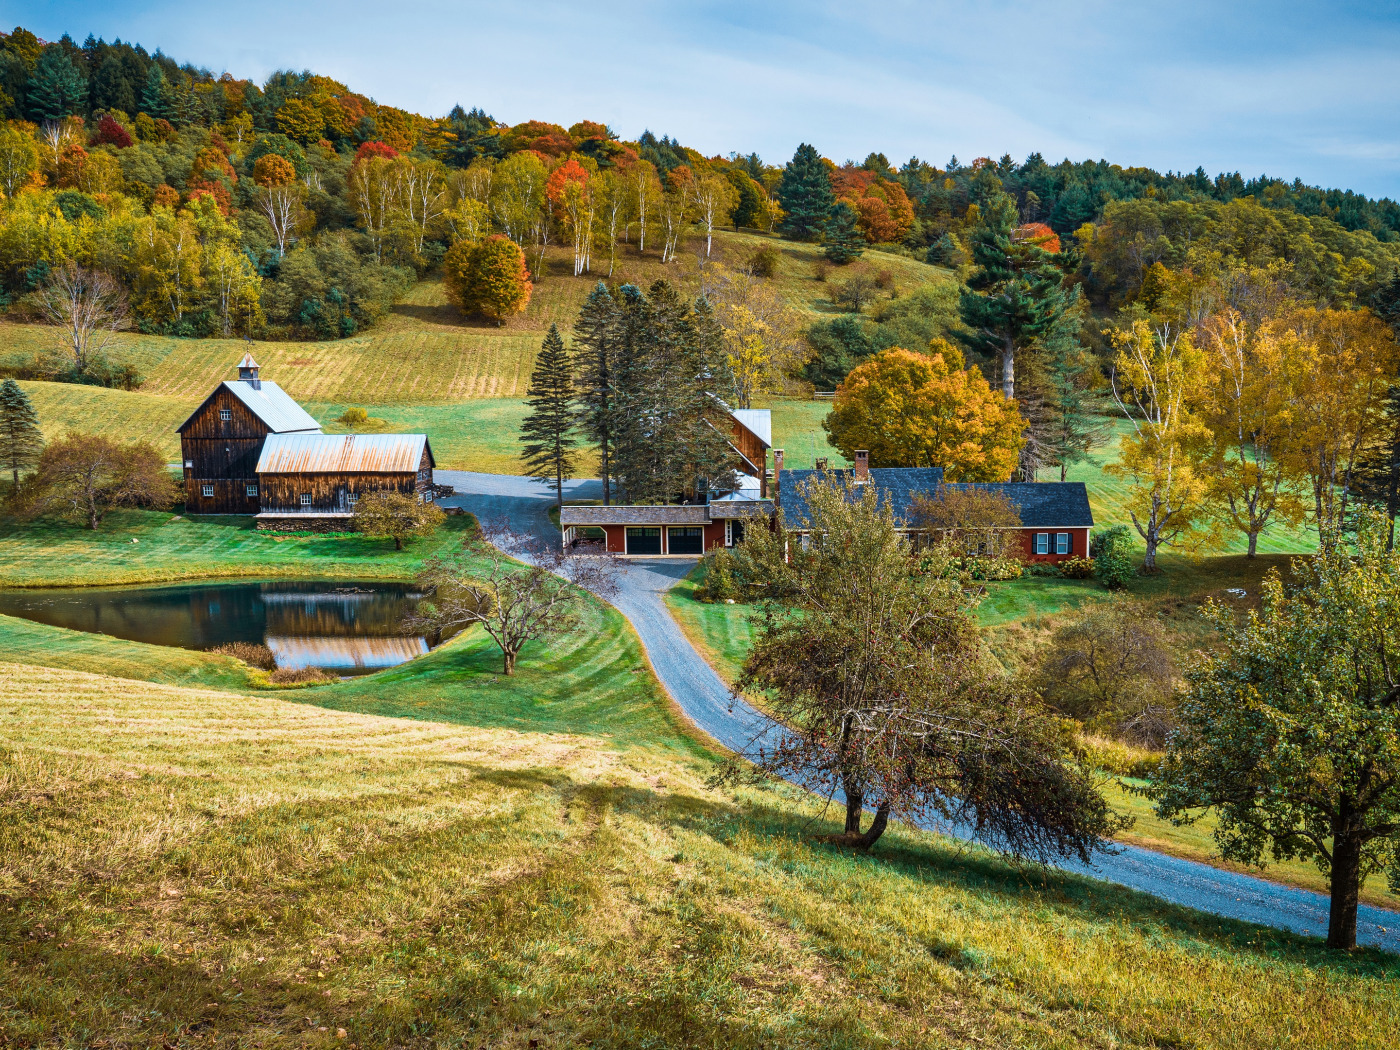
[
  {"x": 353, "y": 417},
  {"x": 821, "y": 269},
  {"x": 1120, "y": 759},
  {"x": 299, "y": 676},
  {"x": 395, "y": 516},
  {"x": 765, "y": 262},
  {"x": 1113, "y": 564},
  {"x": 1077, "y": 568},
  {"x": 250, "y": 653},
  {"x": 884, "y": 279},
  {"x": 855, "y": 294},
  {"x": 487, "y": 277}
]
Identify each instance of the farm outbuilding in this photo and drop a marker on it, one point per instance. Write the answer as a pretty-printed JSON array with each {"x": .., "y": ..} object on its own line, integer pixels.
[{"x": 249, "y": 448}]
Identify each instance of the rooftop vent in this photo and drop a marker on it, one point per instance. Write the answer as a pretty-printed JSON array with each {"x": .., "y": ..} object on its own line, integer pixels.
[{"x": 248, "y": 372}]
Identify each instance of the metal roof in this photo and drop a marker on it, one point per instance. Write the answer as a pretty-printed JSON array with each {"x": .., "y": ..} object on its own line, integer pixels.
[
  {"x": 757, "y": 421},
  {"x": 273, "y": 405},
  {"x": 342, "y": 453}
]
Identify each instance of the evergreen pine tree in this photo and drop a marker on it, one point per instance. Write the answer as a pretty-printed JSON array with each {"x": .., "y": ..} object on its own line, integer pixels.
[
  {"x": 844, "y": 242},
  {"x": 20, "y": 438},
  {"x": 805, "y": 194},
  {"x": 58, "y": 88},
  {"x": 595, "y": 334},
  {"x": 155, "y": 96},
  {"x": 550, "y": 451},
  {"x": 1071, "y": 389},
  {"x": 634, "y": 396},
  {"x": 1014, "y": 296}
]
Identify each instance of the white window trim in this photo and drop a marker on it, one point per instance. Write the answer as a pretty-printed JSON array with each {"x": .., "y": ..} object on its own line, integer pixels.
[
  {"x": 206, "y": 490},
  {"x": 1062, "y": 541},
  {"x": 353, "y": 497},
  {"x": 226, "y": 414},
  {"x": 1042, "y": 543},
  {"x": 251, "y": 490},
  {"x": 305, "y": 499},
  {"x": 728, "y": 532}
]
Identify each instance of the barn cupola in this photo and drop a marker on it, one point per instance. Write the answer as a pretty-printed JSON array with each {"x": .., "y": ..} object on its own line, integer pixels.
[{"x": 248, "y": 372}]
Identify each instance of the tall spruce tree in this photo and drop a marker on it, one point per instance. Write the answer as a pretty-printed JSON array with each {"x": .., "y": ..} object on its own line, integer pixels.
[
  {"x": 1014, "y": 296},
  {"x": 58, "y": 88},
  {"x": 1071, "y": 387},
  {"x": 805, "y": 194},
  {"x": 20, "y": 438},
  {"x": 155, "y": 95},
  {"x": 844, "y": 241},
  {"x": 595, "y": 334},
  {"x": 551, "y": 450}
]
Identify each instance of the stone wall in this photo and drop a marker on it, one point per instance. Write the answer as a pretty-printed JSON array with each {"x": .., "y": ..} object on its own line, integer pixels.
[{"x": 305, "y": 523}]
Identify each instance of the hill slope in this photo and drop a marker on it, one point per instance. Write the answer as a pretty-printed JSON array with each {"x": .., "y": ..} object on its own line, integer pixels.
[{"x": 177, "y": 862}]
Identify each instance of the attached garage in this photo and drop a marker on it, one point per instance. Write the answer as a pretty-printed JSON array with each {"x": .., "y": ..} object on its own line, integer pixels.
[{"x": 642, "y": 539}]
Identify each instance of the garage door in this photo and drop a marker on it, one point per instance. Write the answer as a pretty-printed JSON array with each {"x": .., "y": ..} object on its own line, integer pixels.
[
  {"x": 643, "y": 541},
  {"x": 685, "y": 539}
]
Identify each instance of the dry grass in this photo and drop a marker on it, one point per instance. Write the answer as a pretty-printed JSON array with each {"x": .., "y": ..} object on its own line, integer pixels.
[{"x": 191, "y": 868}]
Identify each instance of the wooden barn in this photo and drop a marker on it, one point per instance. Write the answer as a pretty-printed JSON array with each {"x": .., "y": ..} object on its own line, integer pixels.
[
  {"x": 324, "y": 475},
  {"x": 251, "y": 449},
  {"x": 221, "y": 441}
]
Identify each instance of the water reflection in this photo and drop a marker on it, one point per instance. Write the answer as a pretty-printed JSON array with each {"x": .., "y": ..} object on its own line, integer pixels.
[{"x": 343, "y": 628}]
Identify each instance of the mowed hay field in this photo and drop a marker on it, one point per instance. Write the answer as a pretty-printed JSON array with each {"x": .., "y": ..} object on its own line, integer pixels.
[
  {"x": 187, "y": 867},
  {"x": 425, "y": 368}
]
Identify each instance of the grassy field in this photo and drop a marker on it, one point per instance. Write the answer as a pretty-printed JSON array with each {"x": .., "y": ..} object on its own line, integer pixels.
[
  {"x": 136, "y": 546},
  {"x": 197, "y": 868}
]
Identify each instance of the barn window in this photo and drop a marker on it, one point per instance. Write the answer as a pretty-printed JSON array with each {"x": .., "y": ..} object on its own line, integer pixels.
[
  {"x": 225, "y": 414},
  {"x": 1062, "y": 543},
  {"x": 354, "y": 498},
  {"x": 208, "y": 490},
  {"x": 306, "y": 499},
  {"x": 1042, "y": 543},
  {"x": 189, "y": 464},
  {"x": 252, "y": 490}
]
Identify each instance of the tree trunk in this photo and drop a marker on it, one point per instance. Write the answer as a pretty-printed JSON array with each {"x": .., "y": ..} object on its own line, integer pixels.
[
  {"x": 398, "y": 543},
  {"x": 1253, "y": 544},
  {"x": 508, "y": 661},
  {"x": 1149, "y": 559},
  {"x": 1346, "y": 882},
  {"x": 877, "y": 828},
  {"x": 1008, "y": 371},
  {"x": 855, "y": 802}
]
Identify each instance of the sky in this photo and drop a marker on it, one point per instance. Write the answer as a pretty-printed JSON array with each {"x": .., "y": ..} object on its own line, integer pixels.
[{"x": 1295, "y": 90}]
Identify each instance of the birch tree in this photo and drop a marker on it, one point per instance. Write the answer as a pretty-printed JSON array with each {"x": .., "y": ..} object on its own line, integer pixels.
[
  {"x": 646, "y": 195},
  {"x": 87, "y": 308},
  {"x": 715, "y": 198}
]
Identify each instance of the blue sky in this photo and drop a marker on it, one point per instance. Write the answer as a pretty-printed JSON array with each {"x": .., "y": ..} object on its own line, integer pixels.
[{"x": 1291, "y": 89}]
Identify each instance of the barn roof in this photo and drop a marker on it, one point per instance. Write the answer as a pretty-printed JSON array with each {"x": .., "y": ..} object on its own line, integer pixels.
[
  {"x": 757, "y": 421},
  {"x": 269, "y": 402},
  {"x": 343, "y": 453},
  {"x": 1042, "y": 504}
]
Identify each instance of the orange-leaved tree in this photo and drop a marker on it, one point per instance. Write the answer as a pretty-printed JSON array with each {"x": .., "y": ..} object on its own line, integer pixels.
[
  {"x": 568, "y": 189},
  {"x": 927, "y": 410},
  {"x": 487, "y": 277}
]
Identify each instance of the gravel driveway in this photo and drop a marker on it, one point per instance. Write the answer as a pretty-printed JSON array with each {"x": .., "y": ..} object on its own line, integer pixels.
[{"x": 704, "y": 697}]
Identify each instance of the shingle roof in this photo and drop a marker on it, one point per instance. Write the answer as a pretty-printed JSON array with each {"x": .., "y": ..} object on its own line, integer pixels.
[
  {"x": 897, "y": 485},
  {"x": 342, "y": 453},
  {"x": 1043, "y": 504},
  {"x": 693, "y": 514}
]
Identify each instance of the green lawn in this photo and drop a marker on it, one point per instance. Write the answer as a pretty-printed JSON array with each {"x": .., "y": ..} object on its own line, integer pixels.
[{"x": 135, "y": 546}]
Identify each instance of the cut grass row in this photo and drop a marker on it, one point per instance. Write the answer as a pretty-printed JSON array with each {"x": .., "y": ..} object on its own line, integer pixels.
[{"x": 177, "y": 862}]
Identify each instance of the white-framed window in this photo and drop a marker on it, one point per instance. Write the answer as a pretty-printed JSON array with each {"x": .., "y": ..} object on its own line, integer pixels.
[
  {"x": 428, "y": 495},
  {"x": 225, "y": 414},
  {"x": 353, "y": 498},
  {"x": 207, "y": 490},
  {"x": 306, "y": 499},
  {"x": 189, "y": 464},
  {"x": 1042, "y": 543},
  {"x": 728, "y": 533},
  {"x": 252, "y": 490},
  {"x": 1062, "y": 543}
]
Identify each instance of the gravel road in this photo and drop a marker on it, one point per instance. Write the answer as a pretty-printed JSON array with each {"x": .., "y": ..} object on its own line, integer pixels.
[{"x": 705, "y": 698}]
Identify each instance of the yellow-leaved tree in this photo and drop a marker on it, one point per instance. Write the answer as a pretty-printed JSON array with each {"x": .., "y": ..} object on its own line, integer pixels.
[
  {"x": 1249, "y": 405},
  {"x": 927, "y": 410},
  {"x": 1159, "y": 377}
]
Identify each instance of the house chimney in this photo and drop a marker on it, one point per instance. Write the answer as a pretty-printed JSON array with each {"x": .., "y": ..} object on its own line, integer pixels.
[
  {"x": 862, "y": 466},
  {"x": 248, "y": 371},
  {"x": 777, "y": 471}
]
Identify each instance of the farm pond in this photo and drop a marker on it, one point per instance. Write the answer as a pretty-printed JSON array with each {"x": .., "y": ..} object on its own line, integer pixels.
[{"x": 342, "y": 628}]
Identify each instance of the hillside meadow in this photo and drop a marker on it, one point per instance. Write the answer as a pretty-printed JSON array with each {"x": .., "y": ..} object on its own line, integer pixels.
[{"x": 196, "y": 867}]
